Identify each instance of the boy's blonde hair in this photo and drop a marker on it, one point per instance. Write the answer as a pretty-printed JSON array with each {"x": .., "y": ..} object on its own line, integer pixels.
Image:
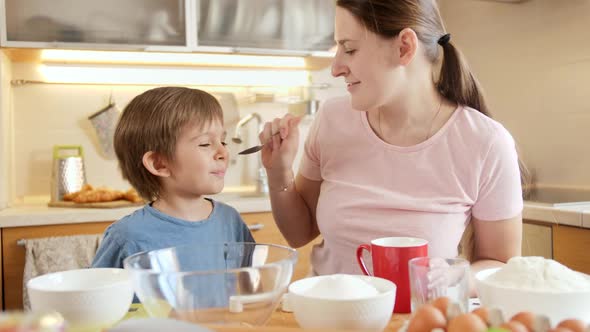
[{"x": 153, "y": 121}]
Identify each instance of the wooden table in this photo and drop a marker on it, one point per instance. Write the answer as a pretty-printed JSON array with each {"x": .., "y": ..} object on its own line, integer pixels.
[
  {"x": 280, "y": 321},
  {"x": 285, "y": 322}
]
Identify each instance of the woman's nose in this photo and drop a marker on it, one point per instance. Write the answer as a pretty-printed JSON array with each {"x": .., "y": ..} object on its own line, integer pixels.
[{"x": 338, "y": 68}]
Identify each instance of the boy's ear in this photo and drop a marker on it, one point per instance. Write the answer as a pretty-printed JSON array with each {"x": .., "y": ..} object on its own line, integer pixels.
[{"x": 156, "y": 164}]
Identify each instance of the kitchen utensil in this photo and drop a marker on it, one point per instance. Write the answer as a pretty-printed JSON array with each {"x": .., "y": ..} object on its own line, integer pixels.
[
  {"x": 89, "y": 299},
  {"x": 225, "y": 283},
  {"x": 105, "y": 122},
  {"x": 68, "y": 174},
  {"x": 314, "y": 310},
  {"x": 255, "y": 148},
  {"x": 390, "y": 256}
]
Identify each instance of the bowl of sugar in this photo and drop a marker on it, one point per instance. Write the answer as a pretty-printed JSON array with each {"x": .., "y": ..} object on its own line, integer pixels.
[
  {"x": 541, "y": 286},
  {"x": 342, "y": 301}
]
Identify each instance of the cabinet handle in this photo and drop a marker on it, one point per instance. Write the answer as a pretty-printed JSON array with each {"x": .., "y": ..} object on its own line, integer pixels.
[{"x": 255, "y": 227}]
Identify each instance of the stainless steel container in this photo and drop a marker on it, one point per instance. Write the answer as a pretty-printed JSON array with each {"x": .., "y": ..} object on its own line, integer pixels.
[{"x": 68, "y": 173}]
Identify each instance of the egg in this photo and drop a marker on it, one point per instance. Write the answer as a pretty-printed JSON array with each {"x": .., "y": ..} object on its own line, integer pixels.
[
  {"x": 514, "y": 326},
  {"x": 426, "y": 319},
  {"x": 573, "y": 324},
  {"x": 526, "y": 318},
  {"x": 441, "y": 303},
  {"x": 483, "y": 313},
  {"x": 560, "y": 329},
  {"x": 466, "y": 323}
]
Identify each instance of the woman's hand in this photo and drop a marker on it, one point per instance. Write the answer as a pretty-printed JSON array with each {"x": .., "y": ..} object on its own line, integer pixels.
[{"x": 279, "y": 150}]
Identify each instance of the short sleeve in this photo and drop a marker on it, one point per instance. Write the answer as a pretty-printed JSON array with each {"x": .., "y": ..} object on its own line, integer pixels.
[
  {"x": 310, "y": 161},
  {"x": 111, "y": 251},
  {"x": 500, "y": 192}
]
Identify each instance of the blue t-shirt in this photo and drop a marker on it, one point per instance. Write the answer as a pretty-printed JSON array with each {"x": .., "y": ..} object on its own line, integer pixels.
[{"x": 149, "y": 229}]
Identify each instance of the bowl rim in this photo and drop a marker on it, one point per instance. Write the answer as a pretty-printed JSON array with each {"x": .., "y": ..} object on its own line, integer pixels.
[
  {"x": 293, "y": 255},
  {"x": 479, "y": 279},
  {"x": 378, "y": 296},
  {"x": 32, "y": 281}
]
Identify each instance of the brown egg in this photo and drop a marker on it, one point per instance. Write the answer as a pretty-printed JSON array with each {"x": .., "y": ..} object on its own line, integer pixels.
[
  {"x": 514, "y": 326},
  {"x": 573, "y": 324},
  {"x": 483, "y": 313},
  {"x": 526, "y": 318},
  {"x": 441, "y": 303},
  {"x": 426, "y": 319},
  {"x": 560, "y": 329},
  {"x": 466, "y": 323}
]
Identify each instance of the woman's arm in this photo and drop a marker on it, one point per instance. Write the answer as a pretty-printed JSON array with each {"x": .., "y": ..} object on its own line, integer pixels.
[
  {"x": 495, "y": 243},
  {"x": 294, "y": 209}
]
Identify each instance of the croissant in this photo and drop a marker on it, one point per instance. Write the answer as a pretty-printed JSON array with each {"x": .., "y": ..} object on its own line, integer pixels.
[
  {"x": 71, "y": 196},
  {"x": 132, "y": 196},
  {"x": 98, "y": 195}
]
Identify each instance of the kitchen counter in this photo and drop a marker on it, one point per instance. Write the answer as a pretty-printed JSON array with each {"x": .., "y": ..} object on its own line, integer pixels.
[
  {"x": 570, "y": 214},
  {"x": 35, "y": 212}
]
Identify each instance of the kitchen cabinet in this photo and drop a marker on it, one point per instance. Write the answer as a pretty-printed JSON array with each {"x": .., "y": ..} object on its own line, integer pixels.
[
  {"x": 302, "y": 25},
  {"x": 571, "y": 246},
  {"x": 537, "y": 239},
  {"x": 247, "y": 26},
  {"x": 13, "y": 256},
  {"x": 129, "y": 24},
  {"x": 566, "y": 244}
]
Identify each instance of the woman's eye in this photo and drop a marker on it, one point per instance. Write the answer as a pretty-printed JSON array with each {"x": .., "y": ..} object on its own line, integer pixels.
[
  {"x": 204, "y": 145},
  {"x": 350, "y": 52}
]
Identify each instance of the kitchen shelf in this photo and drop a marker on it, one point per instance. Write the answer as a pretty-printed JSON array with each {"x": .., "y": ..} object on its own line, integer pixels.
[{"x": 32, "y": 55}]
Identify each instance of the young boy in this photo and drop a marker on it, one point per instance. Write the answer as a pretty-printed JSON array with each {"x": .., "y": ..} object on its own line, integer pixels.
[{"x": 170, "y": 143}]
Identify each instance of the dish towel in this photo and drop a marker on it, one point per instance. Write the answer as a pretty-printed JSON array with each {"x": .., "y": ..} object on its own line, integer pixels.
[{"x": 54, "y": 254}]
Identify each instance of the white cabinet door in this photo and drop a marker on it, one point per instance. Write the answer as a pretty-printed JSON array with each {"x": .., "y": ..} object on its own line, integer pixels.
[
  {"x": 125, "y": 24},
  {"x": 266, "y": 25}
]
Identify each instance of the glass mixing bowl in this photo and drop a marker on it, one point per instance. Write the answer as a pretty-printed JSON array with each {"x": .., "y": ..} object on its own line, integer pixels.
[{"x": 224, "y": 283}]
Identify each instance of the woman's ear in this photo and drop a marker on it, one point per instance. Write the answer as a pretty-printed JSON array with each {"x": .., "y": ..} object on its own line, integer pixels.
[
  {"x": 156, "y": 164},
  {"x": 408, "y": 45}
]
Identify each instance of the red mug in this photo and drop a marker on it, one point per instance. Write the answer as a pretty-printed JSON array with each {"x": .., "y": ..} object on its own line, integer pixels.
[{"x": 390, "y": 257}]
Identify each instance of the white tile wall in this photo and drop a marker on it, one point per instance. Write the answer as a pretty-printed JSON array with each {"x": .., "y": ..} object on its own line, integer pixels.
[{"x": 52, "y": 114}]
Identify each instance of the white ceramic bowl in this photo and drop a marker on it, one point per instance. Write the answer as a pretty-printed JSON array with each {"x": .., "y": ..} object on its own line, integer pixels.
[
  {"x": 87, "y": 298},
  {"x": 369, "y": 313},
  {"x": 555, "y": 305}
]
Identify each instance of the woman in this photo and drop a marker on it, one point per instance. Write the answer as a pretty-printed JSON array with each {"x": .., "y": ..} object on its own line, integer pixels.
[{"x": 410, "y": 152}]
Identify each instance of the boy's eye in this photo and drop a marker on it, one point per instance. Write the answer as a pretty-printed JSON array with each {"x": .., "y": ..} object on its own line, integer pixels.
[
  {"x": 223, "y": 143},
  {"x": 204, "y": 145},
  {"x": 349, "y": 52}
]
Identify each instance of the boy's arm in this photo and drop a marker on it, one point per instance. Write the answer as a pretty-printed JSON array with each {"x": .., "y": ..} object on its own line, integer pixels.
[{"x": 110, "y": 253}]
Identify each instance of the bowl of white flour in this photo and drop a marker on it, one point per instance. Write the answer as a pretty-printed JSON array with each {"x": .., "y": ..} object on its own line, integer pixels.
[
  {"x": 535, "y": 284},
  {"x": 341, "y": 301}
]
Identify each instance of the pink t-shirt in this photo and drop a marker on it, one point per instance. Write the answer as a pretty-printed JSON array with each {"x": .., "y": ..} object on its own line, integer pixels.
[{"x": 372, "y": 189}]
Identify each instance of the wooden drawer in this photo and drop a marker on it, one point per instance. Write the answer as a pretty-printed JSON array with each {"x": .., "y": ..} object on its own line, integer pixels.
[
  {"x": 571, "y": 246},
  {"x": 14, "y": 255}
]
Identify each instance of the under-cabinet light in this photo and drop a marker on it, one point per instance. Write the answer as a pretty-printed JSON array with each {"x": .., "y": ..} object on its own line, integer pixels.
[
  {"x": 161, "y": 58},
  {"x": 95, "y": 74}
]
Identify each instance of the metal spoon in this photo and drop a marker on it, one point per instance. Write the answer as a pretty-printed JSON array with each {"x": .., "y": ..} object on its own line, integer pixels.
[{"x": 257, "y": 147}]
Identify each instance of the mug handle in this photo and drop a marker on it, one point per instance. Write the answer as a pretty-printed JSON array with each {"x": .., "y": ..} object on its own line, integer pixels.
[{"x": 359, "y": 257}]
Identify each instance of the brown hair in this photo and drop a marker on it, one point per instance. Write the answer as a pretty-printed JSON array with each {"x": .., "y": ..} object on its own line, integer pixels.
[
  {"x": 152, "y": 121},
  {"x": 456, "y": 82}
]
